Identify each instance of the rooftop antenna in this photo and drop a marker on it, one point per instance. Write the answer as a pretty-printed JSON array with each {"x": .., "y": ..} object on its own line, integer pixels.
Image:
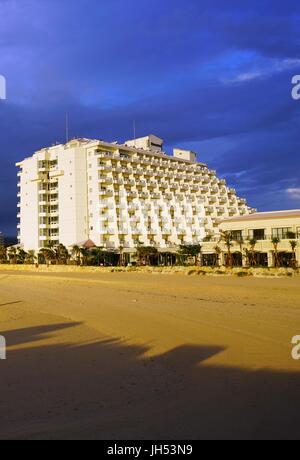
[{"x": 67, "y": 127}]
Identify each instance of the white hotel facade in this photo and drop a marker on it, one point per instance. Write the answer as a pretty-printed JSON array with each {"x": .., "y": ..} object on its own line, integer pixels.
[{"x": 120, "y": 195}]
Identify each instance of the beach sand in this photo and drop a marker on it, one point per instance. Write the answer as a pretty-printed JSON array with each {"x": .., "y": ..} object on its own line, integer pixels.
[{"x": 138, "y": 356}]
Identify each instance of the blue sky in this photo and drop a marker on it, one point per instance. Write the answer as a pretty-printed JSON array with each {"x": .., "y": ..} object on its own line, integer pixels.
[{"x": 210, "y": 75}]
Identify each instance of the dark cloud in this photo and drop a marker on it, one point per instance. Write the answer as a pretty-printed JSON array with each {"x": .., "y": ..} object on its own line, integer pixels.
[{"x": 208, "y": 73}]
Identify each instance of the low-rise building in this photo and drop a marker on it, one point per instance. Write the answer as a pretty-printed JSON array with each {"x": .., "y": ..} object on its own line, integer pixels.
[{"x": 261, "y": 237}]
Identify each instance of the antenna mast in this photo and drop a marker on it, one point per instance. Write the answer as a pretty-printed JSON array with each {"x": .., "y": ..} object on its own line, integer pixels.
[{"x": 67, "y": 127}]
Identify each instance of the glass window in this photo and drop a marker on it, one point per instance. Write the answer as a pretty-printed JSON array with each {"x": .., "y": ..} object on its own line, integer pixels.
[
  {"x": 257, "y": 234},
  {"x": 282, "y": 233},
  {"x": 237, "y": 235}
]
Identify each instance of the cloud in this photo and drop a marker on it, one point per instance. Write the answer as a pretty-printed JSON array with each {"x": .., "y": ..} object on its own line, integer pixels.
[
  {"x": 264, "y": 68},
  {"x": 163, "y": 64},
  {"x": 294, "y": 193}
]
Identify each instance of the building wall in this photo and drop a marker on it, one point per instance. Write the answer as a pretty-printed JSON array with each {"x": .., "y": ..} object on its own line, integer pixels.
[
  {"x": 28, "y": 212},
  {"x": 72, "y": 187}
]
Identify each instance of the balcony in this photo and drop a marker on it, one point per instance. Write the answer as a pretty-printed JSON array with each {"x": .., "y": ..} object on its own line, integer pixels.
[
  {"x": 141, "y": 183},
  {"x": 144, "y": 195},
  {"x": 123, "y": 231},
  {"x": 103, "y": 193},
  {"x": 133, "y": 207},
  {"x": 204, "y": 189},
  {"x": 105, "y": 180},
  {"x": 132, "y": 194},
  {"x": 107, "y": 231},
  {"x": 136, "y": 230},
  {"x": 103, "y": 154},
  {"x": 155, "y": 196},
  {"x": 118, "y": 181},
  {"x": 104, "y": 168},
  {"x": 127, "y": 170},
  {"x": 56, "y": 173},
  {"x": 212, "y": 199},
  {"x": 152, "y": 231}
]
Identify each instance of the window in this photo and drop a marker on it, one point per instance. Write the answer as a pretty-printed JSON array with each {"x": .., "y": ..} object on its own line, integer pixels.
[
  {"x": 257, "y": 234},
  {"x": 282, "y": 233},
  {"x": 237, "y": 235}
]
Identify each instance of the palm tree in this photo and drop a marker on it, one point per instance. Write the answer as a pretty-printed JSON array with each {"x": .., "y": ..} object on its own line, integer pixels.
[
  {"x": 30, "y": 257},
  {"x": 121, "y": 261},
  {"x": 252, "y": 252},
  {"x": 12, "y": 254},
  {"x": 61, "y": 254},
  {"x": 84, "y": 253},
  {"x": 275, "y": 242},
  {"x": 48, "y": 254},
  {"x": 227, "y": 238},
  {"x": 3, "y": 254},
  {"x": 144, "y": 254},
  {"x": 76, "y": 252},
  {"x": 218, "y": 252},
  {"x": 21, "y": 256},
  {"x": 98, "y": 255},
  {"x": 191, "y": 250},
  {"x": 294, "y": 244},
  {"x": 240, "y": 241}
]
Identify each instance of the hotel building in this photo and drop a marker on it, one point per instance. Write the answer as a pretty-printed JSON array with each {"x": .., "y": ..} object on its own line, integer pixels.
[{"x": 120, "y": 195}]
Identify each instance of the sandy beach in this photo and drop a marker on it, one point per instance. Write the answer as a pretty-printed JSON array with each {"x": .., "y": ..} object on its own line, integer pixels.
[{"x": 137, "y": 356}]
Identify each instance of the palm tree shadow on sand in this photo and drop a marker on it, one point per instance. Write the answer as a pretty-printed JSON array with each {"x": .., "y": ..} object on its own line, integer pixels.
[{"x": 110, "y": 390}]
